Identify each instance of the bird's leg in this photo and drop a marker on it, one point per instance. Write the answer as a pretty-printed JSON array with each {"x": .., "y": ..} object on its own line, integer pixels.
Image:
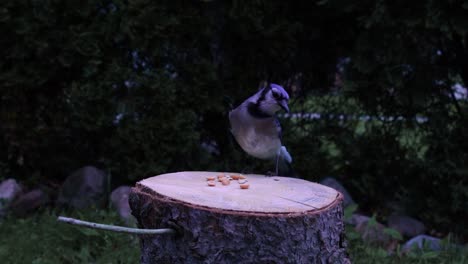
[{"x": 277, "y": 161}]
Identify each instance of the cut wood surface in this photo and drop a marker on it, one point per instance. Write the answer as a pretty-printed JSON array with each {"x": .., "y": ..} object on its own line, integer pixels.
[
  {"x": 264, "y": 195},
  {"x": 276, "y": 220}
]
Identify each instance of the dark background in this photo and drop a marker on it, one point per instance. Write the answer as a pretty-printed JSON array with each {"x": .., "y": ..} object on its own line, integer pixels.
[{"x": 138, "y": 88}]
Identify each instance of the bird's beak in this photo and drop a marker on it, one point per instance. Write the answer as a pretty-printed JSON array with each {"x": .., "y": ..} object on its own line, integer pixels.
[{"x": 284, "y": 105}]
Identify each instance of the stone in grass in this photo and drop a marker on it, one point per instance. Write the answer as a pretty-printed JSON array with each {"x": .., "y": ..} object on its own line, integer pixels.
[
  {"x": 357, "y": 219},
  {"x": 29, "y": 202},
  {"x": 84, "y": 188},
  {"x": 9, "y": 190},
  {"x": 119, "y": 200},
  {"x": 333, "y": 183},
  {"x": 422, "y": 242},
  {"x": 406, "y": 225},
  {"x": 373, "y": 232}
]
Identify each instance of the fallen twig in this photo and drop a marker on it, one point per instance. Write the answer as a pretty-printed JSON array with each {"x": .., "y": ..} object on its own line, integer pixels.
[{"x": 120, "y": 229}]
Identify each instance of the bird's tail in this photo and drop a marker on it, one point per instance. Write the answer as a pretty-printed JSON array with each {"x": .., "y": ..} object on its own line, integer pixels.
[{"x": 284, "y": 163}]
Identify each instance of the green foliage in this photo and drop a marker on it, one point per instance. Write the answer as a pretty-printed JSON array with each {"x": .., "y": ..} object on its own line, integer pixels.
[
  {"x": 41, "y": 239},
  {"x": 372, "y": 221},
  {"x": 349, "y": 210},
  {"x": 413, "y": 165},
  {"x": 363, "y": 252},
  {"x": 59, "y": 109},
  {"x": 393, "y": 233}
]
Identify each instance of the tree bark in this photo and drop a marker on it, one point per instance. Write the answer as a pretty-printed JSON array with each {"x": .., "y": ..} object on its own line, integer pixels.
[{"x": 276, "y": 220}]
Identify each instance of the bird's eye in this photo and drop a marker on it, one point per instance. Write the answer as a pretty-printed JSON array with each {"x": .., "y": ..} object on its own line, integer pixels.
[{"x": 276, "y": 95}]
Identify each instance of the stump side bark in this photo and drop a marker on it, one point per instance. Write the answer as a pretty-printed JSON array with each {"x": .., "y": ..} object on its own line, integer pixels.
[{"x": 276, "y": 220}]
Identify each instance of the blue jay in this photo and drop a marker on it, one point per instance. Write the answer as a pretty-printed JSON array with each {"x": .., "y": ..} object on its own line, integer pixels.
[{"x": 256, "y": 128}]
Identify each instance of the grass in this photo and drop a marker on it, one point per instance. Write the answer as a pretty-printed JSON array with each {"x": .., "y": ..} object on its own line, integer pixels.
[
  {"x": 41, "y": 239},
  {"x": 361, "y": 252},
  {"x": 365, "y": 254}
]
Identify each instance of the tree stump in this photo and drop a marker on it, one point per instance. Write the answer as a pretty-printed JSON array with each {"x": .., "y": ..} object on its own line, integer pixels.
[{"x": 276, "y": 220}]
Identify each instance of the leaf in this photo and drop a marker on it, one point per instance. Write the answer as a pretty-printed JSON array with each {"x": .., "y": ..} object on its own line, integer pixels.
[
  {"x": 3, "y": 250},
  {"x": 372, "y": 221},
  {"x": 353, "y": 235},
  {"x": 89, "y": 232},
  {"x": 393, "y": 233},
  {"x": 381, "y": 253},
  {"x": 66, "y": 238},
  {"x": 322, "y": 2},
  {"x": 349, "y": 210},
  {"x": 430, "y": 255}
]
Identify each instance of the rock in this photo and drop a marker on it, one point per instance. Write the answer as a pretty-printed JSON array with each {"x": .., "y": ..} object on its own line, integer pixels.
[
  {"x": 422, "y": 242},
  {"x": 29, "y": 202},
  {"x": 332, "y": 183},
  {"x": 406, "y": 225},
  {"x": 373, "y": 233},
  {"x": 119, "y": 200},
  {"x": 357, "y": 219},
  {"x": 85, "y": 187},
  {"x": 9, "y": 190}
]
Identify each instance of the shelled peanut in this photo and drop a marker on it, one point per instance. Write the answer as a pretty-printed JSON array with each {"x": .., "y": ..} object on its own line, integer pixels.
[{"x": 225, "y": 179}]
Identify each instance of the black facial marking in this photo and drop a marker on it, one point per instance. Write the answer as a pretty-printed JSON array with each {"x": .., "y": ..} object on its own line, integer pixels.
[
  {"x": 254, "y": 110},
  {"x": 263, "y": 94},
  {"x": 277, "y": 95}
]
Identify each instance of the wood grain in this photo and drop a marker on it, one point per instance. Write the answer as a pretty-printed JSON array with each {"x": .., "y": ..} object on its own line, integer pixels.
[{"x": 265, "y": 194}]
